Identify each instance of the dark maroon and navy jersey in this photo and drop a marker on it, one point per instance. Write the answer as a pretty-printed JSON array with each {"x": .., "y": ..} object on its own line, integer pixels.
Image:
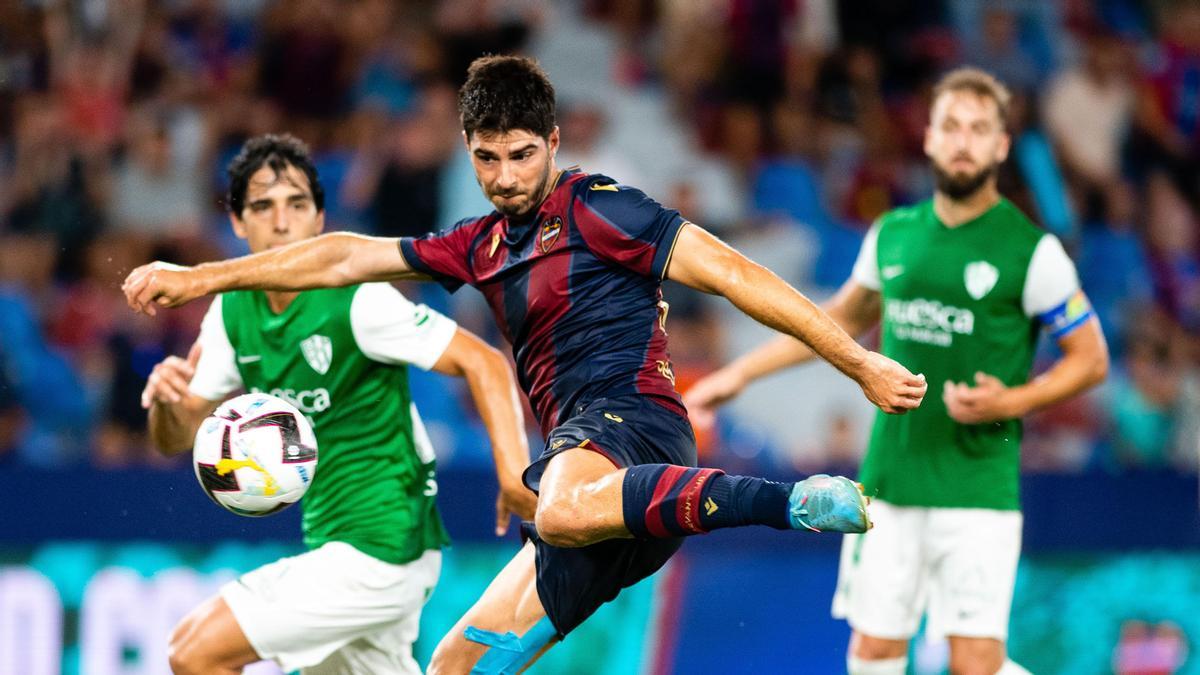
[{"x": 575, "y": 290}]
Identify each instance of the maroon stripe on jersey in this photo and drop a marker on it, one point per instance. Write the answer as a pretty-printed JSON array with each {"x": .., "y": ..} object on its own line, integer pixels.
[
  {"x": 493, "y": 290},
  {"x": 493, "y": 293},
  {"x": 547, "y": 301},
  {"x": 631, "y": 256}
]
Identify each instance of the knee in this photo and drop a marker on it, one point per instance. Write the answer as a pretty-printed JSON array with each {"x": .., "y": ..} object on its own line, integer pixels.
[{"x": 558, "y": 523}]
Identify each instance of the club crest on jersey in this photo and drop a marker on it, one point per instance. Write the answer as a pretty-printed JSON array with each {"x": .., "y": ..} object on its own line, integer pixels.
[
  {"x": 980, "y": 277},
  {"x": 318, "y": 351},
  {"x": 549, "y": 235}
]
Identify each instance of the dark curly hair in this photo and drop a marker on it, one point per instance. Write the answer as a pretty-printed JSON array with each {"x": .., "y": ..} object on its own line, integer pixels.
[
  {"x": 278, "y": 151},
  {"x": 506, "y": 93}
]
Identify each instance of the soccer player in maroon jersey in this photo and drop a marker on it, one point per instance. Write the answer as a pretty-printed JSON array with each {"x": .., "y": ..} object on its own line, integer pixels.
[{"x": 571, "y": 265}]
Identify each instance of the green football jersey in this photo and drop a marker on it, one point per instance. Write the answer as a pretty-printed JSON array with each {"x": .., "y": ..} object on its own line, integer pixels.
[
  {"x": 340, "y": 355},
  {"x": 956, "y": 301}
]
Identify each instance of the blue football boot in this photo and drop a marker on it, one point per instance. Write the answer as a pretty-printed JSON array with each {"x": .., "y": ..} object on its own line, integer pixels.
[{"x": 824, "y": 503}]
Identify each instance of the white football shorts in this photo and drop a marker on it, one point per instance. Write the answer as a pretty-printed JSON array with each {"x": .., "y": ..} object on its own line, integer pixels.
[
  {"x": 960, "y": 565},
  {"x": 334, "y": 610}
]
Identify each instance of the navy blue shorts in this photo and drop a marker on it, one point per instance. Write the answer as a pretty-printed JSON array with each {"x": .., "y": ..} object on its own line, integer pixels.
[{"x": 572, "y": 583}]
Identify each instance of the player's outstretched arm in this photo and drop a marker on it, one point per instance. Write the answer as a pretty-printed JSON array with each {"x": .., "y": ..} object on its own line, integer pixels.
[
  {"x": 707, "y": 264},
  {"x": 854, "y": 307},
  {"x": 330, "y": 260},
  {"x": 494, "y": 390}
]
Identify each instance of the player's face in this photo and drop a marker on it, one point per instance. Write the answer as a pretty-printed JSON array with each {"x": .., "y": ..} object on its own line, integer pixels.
[
  {"x": 513, "y": 168},
  {"x": 279, "y": 209},
  {"x": 965, "y": 141}
]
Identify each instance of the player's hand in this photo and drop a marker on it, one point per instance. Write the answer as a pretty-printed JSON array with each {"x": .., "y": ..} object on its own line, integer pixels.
[
  {"x": 514, "y": 500},
  {"x": 168, "y": 382},
  {"x": 711, "y": 392},
  {"x": 987, "y": 401},
  {"x": 160, "y": 284},
  {"x": 890, "y": 386}
]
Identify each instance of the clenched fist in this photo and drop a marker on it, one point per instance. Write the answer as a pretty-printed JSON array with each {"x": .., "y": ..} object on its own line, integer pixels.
[
  {"x": 161, "y": 284},
  {"x": 890, "y": 386}
]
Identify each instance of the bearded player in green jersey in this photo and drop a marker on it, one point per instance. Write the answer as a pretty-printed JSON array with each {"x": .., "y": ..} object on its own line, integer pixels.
[
  {"x": 962, "y": 284},
  {"x": 352, "y": 603}
]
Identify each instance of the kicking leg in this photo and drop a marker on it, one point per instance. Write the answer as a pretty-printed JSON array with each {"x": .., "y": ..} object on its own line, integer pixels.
[
  {"x": 509, "y": 605},
  {"x": 210, "y": 640},
  {"x": 584, "y": 499}
]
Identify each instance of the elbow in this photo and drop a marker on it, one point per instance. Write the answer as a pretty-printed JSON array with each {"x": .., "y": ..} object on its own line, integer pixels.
[
  {"x": 491, "y": 360},
  {"x": 482, "y": 362}
]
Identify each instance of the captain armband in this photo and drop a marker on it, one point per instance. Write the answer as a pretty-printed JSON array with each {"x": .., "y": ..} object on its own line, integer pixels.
[{"x": 1066, "y": 317}]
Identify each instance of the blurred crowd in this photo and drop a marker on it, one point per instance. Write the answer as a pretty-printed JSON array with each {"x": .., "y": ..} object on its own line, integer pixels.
[{"x": 786, "y": 126}]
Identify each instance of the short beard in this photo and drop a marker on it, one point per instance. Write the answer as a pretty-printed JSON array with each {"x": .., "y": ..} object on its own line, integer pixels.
[
  {"x": 535, "y": 199},
  {"x": 960, "y": 188}
]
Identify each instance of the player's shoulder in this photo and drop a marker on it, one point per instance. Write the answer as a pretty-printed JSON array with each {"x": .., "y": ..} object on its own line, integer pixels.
[
  {"x": 906, "y": 216},
  {"x": 599, "y": 188},
  {"x": 468, "y": 232},
  {"x": 471, "y": 224},
  {"x": 1015, "y": 227},
  {"x": 379, "y": 303},
  {"x": 612, "y": 199}
]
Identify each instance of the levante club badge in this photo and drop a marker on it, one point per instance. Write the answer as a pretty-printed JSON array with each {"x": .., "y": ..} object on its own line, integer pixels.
[{"x": 549, "y": 234}]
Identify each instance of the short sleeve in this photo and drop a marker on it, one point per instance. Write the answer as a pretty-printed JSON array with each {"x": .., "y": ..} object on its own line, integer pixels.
[
  {"x": 390, "y": 329},
  {"x": 1052, "y": 293},
  {"x": 866, "y": 265},
  {"x": 623, "y": 226},
  {"x": 216, "y": 371},
  {"x": 445, "y": 256}
]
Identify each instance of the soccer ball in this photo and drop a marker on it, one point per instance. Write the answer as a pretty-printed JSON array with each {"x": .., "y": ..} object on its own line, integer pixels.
[{"x": 255, "y": 455}]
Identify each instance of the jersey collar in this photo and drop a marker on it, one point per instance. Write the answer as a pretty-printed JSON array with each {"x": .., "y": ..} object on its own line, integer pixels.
[{"x": 515, "y": 231}]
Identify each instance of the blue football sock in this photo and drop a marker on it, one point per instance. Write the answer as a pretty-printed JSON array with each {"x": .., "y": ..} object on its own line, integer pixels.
[{"x": 663, "y": 500}]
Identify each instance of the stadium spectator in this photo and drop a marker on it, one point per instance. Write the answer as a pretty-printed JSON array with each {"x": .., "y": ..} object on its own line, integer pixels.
[
  {"x": 1152, "y": 404},
  {"x": 117, "y": 115},
  {"x": 1087, "y": 111}
]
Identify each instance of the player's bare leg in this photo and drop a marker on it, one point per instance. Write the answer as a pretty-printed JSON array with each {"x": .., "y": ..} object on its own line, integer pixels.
[
  {"x": 975, "y": 655},
  {"x": 210, "y": 640},
  {"x": 579, "y": 500},
  {"x": 871, "y": 655},
  {"x": 510, "y": 604}
]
